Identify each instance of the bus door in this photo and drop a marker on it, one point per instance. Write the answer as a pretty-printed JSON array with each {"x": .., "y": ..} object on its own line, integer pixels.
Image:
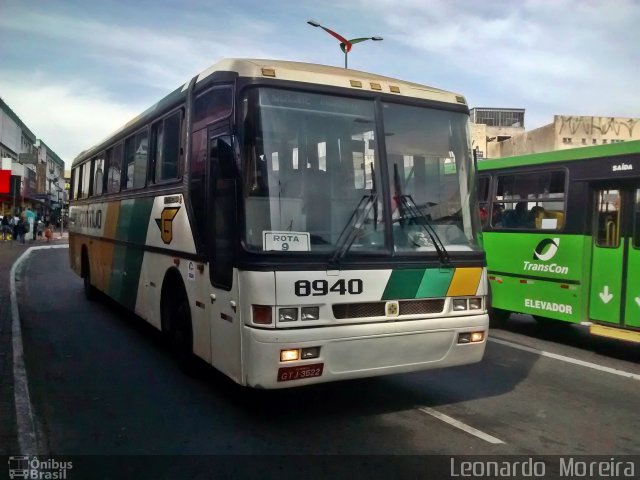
[
  {"x": 615, "y": 283},
  {"x": 221, "y": 230}
]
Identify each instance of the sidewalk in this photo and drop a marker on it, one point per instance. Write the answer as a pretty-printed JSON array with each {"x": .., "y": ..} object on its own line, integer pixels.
[{"x": 9, "y": 253}]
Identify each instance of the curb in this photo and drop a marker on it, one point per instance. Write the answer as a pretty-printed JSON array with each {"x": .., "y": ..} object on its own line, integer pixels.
[{"x": 25, "y": 418}]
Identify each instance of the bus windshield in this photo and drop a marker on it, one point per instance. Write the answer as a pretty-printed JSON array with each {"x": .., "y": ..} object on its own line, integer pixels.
[{"x": 313, "y": 169}]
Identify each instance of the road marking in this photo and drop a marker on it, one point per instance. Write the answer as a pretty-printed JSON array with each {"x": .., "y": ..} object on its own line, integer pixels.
[
  {"x": 25, "y": 418},
  {"x": 562, "y": 358},
  {"x": 462, "y": 426}
]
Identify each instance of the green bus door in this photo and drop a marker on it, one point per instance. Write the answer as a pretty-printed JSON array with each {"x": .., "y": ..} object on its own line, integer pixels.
[{"x": 615, "y": 270}]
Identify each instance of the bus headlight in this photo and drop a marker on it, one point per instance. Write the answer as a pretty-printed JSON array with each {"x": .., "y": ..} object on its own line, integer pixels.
[
  {"x": 475, "y": 303},
  {"x": 289, "y": 355},
  {"x": 287, "y": 314},
  {"x": 310, "y": 313},
  {"x": 470, "y": 337},
  {"x": 459, "y": 304}
]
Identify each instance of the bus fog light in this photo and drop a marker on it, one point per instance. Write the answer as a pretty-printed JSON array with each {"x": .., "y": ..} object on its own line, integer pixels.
[
  {"x": 459, "y": 304},
  {"x": 475, "y": 303},
  {"x": 287, "y": 314},
  {"x": 310, "y": 313},
  {"x": 262, "y": 314},
  {"x": 464, "y": 337},
  {"x": 289, "y": 355},
  {"x": 477, "y": 336},
  {"x": 310, "y": 352}
]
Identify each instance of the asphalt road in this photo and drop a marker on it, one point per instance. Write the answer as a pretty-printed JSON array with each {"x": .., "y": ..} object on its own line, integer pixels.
[{"x": 102, "y": 382}]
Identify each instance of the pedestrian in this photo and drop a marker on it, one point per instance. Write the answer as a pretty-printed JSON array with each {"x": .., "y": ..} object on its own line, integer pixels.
[
  {"x": 40, "y": 228},
  {"x": 5, "y": 227},
  {"x": 48, "y": 233},
  {"x": 21, "y": 230},
  {"x": 30, "y": 222}
]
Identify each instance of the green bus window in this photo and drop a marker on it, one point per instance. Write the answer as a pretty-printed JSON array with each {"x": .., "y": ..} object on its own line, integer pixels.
[
  {"x": 608, "y": 218},
  {"x": 636, "y": 220},
  {"x": 483, "y": 199},
  {"x": 530, "y": 201}
]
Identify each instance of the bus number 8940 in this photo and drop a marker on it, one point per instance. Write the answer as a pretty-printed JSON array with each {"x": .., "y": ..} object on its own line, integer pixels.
[{"x": 304, "y": 288}]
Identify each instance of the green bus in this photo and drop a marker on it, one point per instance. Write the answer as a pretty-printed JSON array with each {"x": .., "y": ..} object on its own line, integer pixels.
[{"x": 561, "y": 232}]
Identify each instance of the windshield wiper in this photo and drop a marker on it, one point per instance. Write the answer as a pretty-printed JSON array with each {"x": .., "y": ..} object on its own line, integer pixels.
[
  {"x": 406, "y": 202},
  {"x": 356, "y": 221},
  {"x": 350, "y": 231}
]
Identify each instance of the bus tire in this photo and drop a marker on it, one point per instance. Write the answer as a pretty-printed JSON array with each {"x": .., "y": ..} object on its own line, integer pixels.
[
  {"x": 498, "y": 317},
  {"x": 177, "y": 322},
  {"x": 90, "y": 292}
]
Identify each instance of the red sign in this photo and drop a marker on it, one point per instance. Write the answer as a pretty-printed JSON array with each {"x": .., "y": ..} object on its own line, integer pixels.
[{"x": 5, "y": 177}]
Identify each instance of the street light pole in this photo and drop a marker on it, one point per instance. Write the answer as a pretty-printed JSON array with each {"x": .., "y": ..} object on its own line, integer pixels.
[{"x": 345, "y": 45}]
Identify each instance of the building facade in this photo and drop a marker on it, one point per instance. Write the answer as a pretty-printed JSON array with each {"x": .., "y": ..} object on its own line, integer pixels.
[
  {"x": 491, "y": 126},
  {"x": 566, "y": 131},
  {"x": 36, "y": 171}
]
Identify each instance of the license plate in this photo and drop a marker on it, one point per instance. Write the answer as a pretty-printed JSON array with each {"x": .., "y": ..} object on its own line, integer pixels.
[{"x": 299, "y": 372}]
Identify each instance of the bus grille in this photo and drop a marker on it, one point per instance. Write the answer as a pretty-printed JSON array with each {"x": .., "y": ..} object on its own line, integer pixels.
[{"x": 376, "y": 309}]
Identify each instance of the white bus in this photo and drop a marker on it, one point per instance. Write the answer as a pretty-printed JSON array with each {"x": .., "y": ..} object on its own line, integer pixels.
[{"x": 290, "y": 224}]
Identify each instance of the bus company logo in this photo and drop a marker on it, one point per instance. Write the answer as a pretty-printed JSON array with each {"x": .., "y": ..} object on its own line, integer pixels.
[
  {"x": 392, "y": 309},
  {"x": 546, "y": 249},
  {"x": 165, "y": 223},
  {"x": 90, "y": 219}
]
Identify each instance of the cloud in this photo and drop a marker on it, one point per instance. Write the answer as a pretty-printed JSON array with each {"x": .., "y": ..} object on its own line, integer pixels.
[
  {"x": 97, "y": 75},
  {"x": 567, "y": 55},
  {"x": 68, "y": 117},
  {"x": 100, "y": 65},
  {"x": 155, "y": 57}
]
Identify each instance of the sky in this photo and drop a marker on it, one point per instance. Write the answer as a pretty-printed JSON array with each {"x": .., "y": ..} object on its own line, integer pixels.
[{"x": 76, "y": 70}]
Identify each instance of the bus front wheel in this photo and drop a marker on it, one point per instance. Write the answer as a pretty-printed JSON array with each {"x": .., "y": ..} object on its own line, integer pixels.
[
  {"x": 178, "y": 315},
  {"x": 90, "y": 292},
  {"x": 498, "y": 317}
]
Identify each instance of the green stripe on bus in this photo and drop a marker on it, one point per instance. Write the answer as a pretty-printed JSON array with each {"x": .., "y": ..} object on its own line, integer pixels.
[
  {"x": 418, "y": 283},
  {"x": 435, "y": 282},
  {"x": 403, "y": 284},
  {"x": 127, "y": 261},
  {"x": 134, "y": 220}
]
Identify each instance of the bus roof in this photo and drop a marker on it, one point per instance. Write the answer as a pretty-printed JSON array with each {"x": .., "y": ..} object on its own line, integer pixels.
[
  {"x": 327, "y": 75},
  {"x": 568, "y": 155},
  {"x": 293, "y": 72}
]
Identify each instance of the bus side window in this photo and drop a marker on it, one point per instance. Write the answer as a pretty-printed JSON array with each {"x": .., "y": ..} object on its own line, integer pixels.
[
  {"x": 86, "y": 179},
  {"x": 223, "y": 224},
  {"x": 608, "y": 218},
  {"x": 530, "y": 201},
  {"x": 98, "y": 174},
  {"x": 198, "y": 180},
  {"x": 483, "y": 199},
  {"x": 165, "y": 148},
  {"x": 74, "y": 182},
  {"x": 636, "y": 220},
  {"x": 135, "y": 148},
  {"x": 113, "y": 159}
]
